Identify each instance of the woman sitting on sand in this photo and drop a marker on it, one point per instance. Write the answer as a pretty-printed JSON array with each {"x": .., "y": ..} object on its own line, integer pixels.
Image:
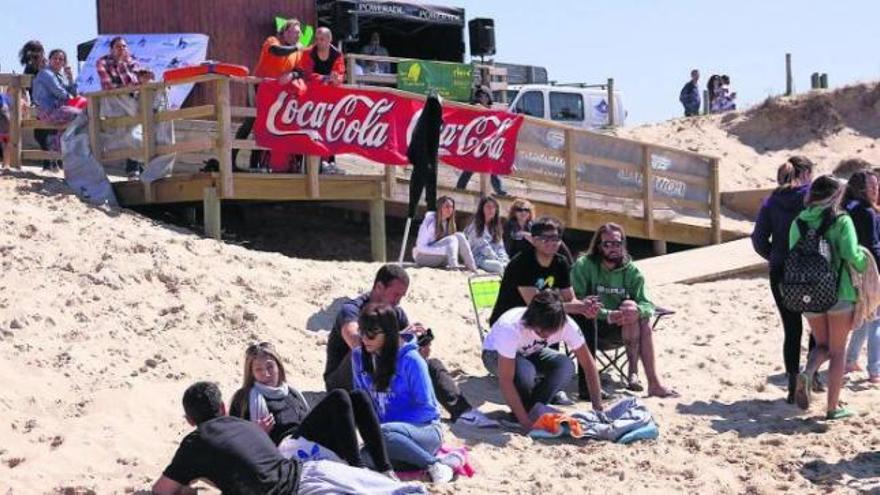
[
  {"x": 397, "y": 380},
  {"x": 438, "y": 244},
  {"x": 281, "y": 411},
  {"x": 832, "y": 327},
  {"x": 484, "y": 237}
]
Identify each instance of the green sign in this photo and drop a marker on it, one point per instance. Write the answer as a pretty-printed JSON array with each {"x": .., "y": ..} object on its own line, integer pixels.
[{"x": 452, "y": 81}]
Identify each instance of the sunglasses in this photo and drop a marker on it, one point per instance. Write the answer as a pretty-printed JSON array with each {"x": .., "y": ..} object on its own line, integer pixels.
[
  {"x": 609, "y": 244},
  {"x": 371, "y": 333},
  {"x": 256, "y": 348},
  {"x": 548, "y": 238},
  {"x": 522, "y": 210}
]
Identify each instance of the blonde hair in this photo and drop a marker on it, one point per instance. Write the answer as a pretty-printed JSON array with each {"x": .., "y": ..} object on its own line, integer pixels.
[
  {"x": 441, "y": 231},
  {"x": 263, "y": 350},
  {"x": 521, "y": 203}
]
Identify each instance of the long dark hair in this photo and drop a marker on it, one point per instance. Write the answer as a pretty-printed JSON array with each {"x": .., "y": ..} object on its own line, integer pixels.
[
  {"x": 857, "y": 187},
  {"x": 825, "y": 191},
  {"x": 494, "y": 225},
  {"x": 380, "y": 318},
  {"x": 30, "y": 56},
  {"x": 440, "y": 230},
  {"x": 795, "y": 168},
  {"x": 710, "y": 85},
  {"x": 594, "y": 252}
]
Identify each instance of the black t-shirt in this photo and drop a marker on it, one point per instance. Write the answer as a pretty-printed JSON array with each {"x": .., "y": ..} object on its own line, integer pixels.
[
  {"x": 236, "y": 456},
  {"x": 525, "y": 271},
  {"x": 337, "y": 349}
]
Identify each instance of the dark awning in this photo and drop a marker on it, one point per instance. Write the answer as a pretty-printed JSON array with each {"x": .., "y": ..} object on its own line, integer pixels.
[{"x": 404, "y": 10}]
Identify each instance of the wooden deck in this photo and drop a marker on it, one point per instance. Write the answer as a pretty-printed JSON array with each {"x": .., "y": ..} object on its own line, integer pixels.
[{"x": 703, "y": 264}]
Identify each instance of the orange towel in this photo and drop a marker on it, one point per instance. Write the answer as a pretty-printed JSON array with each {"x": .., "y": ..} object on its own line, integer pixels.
[{"x": 554, "y": 423}]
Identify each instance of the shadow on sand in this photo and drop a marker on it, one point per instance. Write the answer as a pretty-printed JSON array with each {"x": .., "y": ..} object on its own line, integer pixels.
[{"x": 753, "y": 417}]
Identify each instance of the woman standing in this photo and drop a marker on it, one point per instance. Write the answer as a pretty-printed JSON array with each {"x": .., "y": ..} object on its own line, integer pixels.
[
  {"x": 438, "y": 244},
  {"x": 770, "y": 240},
  {"x": 484, "y": 237},
  {"x": 832, "y": 327},
  {"x": 517, "y": 236},
  {"x": 859, "y": 200}
]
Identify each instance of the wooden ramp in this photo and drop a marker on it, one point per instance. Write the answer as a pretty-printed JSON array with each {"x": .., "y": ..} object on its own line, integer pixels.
[{"x": 703, "y": 264}]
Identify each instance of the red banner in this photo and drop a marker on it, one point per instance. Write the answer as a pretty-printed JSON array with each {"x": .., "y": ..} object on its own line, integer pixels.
[{"x": 327, "y": 120}]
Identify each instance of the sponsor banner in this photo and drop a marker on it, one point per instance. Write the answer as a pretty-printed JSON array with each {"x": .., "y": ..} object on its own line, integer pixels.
[
  {"x": 452, "y": 81},
  {"x": 327, "y": 120},
  {"x": 158, "y": 52}
]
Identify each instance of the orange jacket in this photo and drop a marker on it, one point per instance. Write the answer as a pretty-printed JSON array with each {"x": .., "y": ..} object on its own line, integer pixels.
[{"x": 270, "y": 65}]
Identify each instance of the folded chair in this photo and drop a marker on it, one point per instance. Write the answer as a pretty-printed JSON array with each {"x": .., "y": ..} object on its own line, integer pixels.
[
  {"x": 611, "y": 351},
  {"x": 484, "y": 292}
]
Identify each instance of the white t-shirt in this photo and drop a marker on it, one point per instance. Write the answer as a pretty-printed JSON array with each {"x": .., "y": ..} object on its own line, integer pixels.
[{"x": 509, "y": 337}]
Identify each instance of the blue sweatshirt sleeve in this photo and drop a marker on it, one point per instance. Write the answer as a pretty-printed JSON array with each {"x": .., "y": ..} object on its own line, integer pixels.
[
  {"x": 762, "y": 232},
  {"x": 420, "y": 388}
]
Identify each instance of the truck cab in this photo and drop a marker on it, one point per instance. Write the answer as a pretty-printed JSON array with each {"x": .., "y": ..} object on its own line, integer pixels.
[{"x": 572, "y": 105}]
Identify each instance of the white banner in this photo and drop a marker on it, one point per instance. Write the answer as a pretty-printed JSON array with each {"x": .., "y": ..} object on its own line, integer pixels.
[{"x": 158, "y": 52}]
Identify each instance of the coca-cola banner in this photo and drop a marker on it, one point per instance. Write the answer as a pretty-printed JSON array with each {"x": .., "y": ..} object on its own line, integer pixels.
[{"x": 327, "y": 120}]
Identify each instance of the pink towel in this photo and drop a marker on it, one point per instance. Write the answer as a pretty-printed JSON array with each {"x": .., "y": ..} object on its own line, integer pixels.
[{"x": 464, "y": 470}]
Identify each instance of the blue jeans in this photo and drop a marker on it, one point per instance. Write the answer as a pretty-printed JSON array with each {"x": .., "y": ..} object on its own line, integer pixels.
[
  {"x": 870, "y": 331},
  {"x": 411, "y": 444},
  {"x": 538, "y": 376},
  {"x": 466, "y": 175}
]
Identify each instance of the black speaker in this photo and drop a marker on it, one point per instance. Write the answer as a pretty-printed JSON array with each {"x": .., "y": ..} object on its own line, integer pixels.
[{"x": 481, "y": 33}]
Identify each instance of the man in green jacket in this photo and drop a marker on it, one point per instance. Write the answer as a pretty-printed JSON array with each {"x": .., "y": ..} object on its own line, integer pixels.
[{"x": 608, "y": 273}]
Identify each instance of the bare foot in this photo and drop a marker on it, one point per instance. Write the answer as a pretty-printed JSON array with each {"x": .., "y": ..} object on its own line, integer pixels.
[{"x": 663, "y": 393}]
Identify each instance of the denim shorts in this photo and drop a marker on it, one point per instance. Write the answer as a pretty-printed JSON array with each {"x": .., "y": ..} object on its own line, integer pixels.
[{"x": 839, "y": 308}]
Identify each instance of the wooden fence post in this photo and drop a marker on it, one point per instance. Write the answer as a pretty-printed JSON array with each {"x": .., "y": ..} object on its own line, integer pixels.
[
  {"x": 715, "y": 210},
  {"x": 148, "y": 141},
  {"x": 612, "y": 118},
  {"x": 484, "y": 184},
  {"x": 705, "y": 102},
  {"x": 313, "y": 166},
  {"x": 94, "y": 110},
  {"x": 647, "y": 192},
  {"x": 377, "y": 229},
  {"x": 789, "y": 86},
  {"x": 14, "y": 148},
  {"x": 390, "y": 181},
  {"x": 211, "y": 204},
  {"x": 224, "y": 138},
  {"x": 570, "y": 180}
]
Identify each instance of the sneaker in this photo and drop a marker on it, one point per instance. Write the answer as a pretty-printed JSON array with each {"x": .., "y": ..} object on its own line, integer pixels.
[
  {"x": 453, "y": 459},
  {"x": 391, "y": 475},
  {"x": 473, "y": 417},
  {"x": 561, "y": 399},
  {"x": 440, "y": 473},
  {"x": 134, "y": 175}
]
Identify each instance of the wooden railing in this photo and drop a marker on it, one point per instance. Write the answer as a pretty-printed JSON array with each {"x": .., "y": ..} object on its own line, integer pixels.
[{"x": 20, "y": 118}]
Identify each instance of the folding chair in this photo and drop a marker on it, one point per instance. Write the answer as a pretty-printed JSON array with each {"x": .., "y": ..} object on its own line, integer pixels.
[
  {"x": 484, "y": 292},
  {"x": 611, "y": 352}
]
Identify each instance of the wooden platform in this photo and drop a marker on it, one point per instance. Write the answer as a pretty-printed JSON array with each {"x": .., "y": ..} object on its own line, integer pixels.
[{"x": 703, "y": 264}]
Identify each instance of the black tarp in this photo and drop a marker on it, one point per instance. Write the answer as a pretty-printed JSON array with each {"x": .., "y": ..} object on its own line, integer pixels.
[{"x": 408, "y": 29}]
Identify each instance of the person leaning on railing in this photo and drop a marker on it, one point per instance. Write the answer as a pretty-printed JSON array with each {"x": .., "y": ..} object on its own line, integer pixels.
[
  {"x": 325, "y": 64},
  {"x": 280, "y": 55}
]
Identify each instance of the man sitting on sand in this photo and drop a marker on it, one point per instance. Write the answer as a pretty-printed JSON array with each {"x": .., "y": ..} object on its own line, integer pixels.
[
  {"x": 389, "y": 287},
  {"x": 516, "y": 350},
  {"x": 607, "y": 271},
  {"x": 236, "y": 456}
]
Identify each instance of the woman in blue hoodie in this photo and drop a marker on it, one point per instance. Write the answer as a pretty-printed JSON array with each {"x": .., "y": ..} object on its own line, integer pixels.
[
  {"x": 859, "y": 200},
  {"x": 396, "y": 377},
  {"x": 770, "y": 240}
]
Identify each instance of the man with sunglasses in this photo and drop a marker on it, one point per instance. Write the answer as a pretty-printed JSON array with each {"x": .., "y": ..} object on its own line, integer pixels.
[
  {"x": 534, "y": 270},
  {"x": 389, "y": 287},
  {"x": 607, "y": 272}
]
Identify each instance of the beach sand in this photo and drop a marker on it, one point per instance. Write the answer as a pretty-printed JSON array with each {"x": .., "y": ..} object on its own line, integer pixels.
[{"x": 107, "y": 316}]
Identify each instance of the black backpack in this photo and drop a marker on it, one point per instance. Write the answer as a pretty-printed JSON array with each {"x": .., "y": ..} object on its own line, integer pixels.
[{"x": 809, "y": 282}]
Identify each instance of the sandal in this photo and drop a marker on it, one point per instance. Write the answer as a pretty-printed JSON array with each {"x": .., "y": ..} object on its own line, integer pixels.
[
  {"x": 839, "y": 413},
  {"x": 633, "y": 384},
  {"x": 802, "y": 392}
]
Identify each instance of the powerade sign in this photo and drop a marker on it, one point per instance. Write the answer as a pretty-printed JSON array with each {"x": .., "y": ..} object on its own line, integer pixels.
[{"x": 410, "y": 11}]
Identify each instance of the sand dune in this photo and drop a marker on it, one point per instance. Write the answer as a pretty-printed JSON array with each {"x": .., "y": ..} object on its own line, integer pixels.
[{"x": 107, "y": 316}]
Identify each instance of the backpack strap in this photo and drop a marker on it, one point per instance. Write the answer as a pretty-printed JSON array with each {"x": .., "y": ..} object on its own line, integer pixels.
[{"x": 827, "y": 221}]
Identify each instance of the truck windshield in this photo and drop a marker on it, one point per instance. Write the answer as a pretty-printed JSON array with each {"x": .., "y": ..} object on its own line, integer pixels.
[{"x": 531, "y": 103}]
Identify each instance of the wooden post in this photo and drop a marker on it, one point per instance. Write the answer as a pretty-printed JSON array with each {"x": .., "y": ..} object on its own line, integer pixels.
[
  {"x": 211, "y": 203},
  {"x": 823, "y": 80},
  {"x": 390, "y": 181},
  {"x": 313, "y": 166},
  {"x": 715, "y": 192},
  {"x": 224, "y": 138},
  {"x": 814, "y": 80},
  {"x": 377, "y": 229},
  {"x": 484, "y": 184},
  {"x": 659, "y": 246},
  {"x": 789, "y": 86},
  {"x": 705, "y": 102},
  {"x": 570, "y": 180},
  {"x": 14, "y": 148},
  {"x": 612, "y": 118},
  {"x": 148, "y": 141},
  {"x": 349, "y": 70},
  {"x": 94, "y": 110},
  {"x": 647, "y": 192}
]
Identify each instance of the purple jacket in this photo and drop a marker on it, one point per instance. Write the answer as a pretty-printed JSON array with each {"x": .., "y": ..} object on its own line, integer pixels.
[
  {"x": 867, "y": 224},
  {"x": 770, "y": 237}
]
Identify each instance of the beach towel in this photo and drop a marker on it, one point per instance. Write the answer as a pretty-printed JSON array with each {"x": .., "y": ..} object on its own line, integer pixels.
[
  {"x": 624, "y": 422},
  {"x": 868, "y": 286},
  {"x": 466, "y": 469},
  {"x": 306, "y": 450}
]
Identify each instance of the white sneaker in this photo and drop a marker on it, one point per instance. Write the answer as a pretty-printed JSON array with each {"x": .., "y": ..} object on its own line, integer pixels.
[
  {"x": 440, "y": 473},
  {"x": 473, "y": 417},
  {"x": 453, "y": 459}
]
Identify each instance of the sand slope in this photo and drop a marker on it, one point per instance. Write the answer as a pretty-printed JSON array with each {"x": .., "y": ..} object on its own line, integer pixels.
[
  {"x": 826, "y": 126},
  {"x": 106, "y": 317}
]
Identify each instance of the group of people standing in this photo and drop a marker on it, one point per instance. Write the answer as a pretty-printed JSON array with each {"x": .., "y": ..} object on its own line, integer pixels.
[
  {"x": 720, "y": 97},
  {"x": 845, "y": 215}
]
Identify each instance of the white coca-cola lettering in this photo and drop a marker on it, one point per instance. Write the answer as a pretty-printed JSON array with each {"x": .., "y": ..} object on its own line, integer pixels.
[{"x": 478, "y": 139}]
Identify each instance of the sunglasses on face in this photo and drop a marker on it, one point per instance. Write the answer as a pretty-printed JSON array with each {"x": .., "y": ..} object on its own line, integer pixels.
[
  {"x": 255, "y": 348},
  {"x": 548, "y": 238},
  {"x": 370, "y": 334},
  {"x": 610, "y": 244},
  {"x": 522, "y": 210}
]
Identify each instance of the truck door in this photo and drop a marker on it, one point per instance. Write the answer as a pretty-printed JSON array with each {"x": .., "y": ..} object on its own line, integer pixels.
[{"x": 530, "y": 103}]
